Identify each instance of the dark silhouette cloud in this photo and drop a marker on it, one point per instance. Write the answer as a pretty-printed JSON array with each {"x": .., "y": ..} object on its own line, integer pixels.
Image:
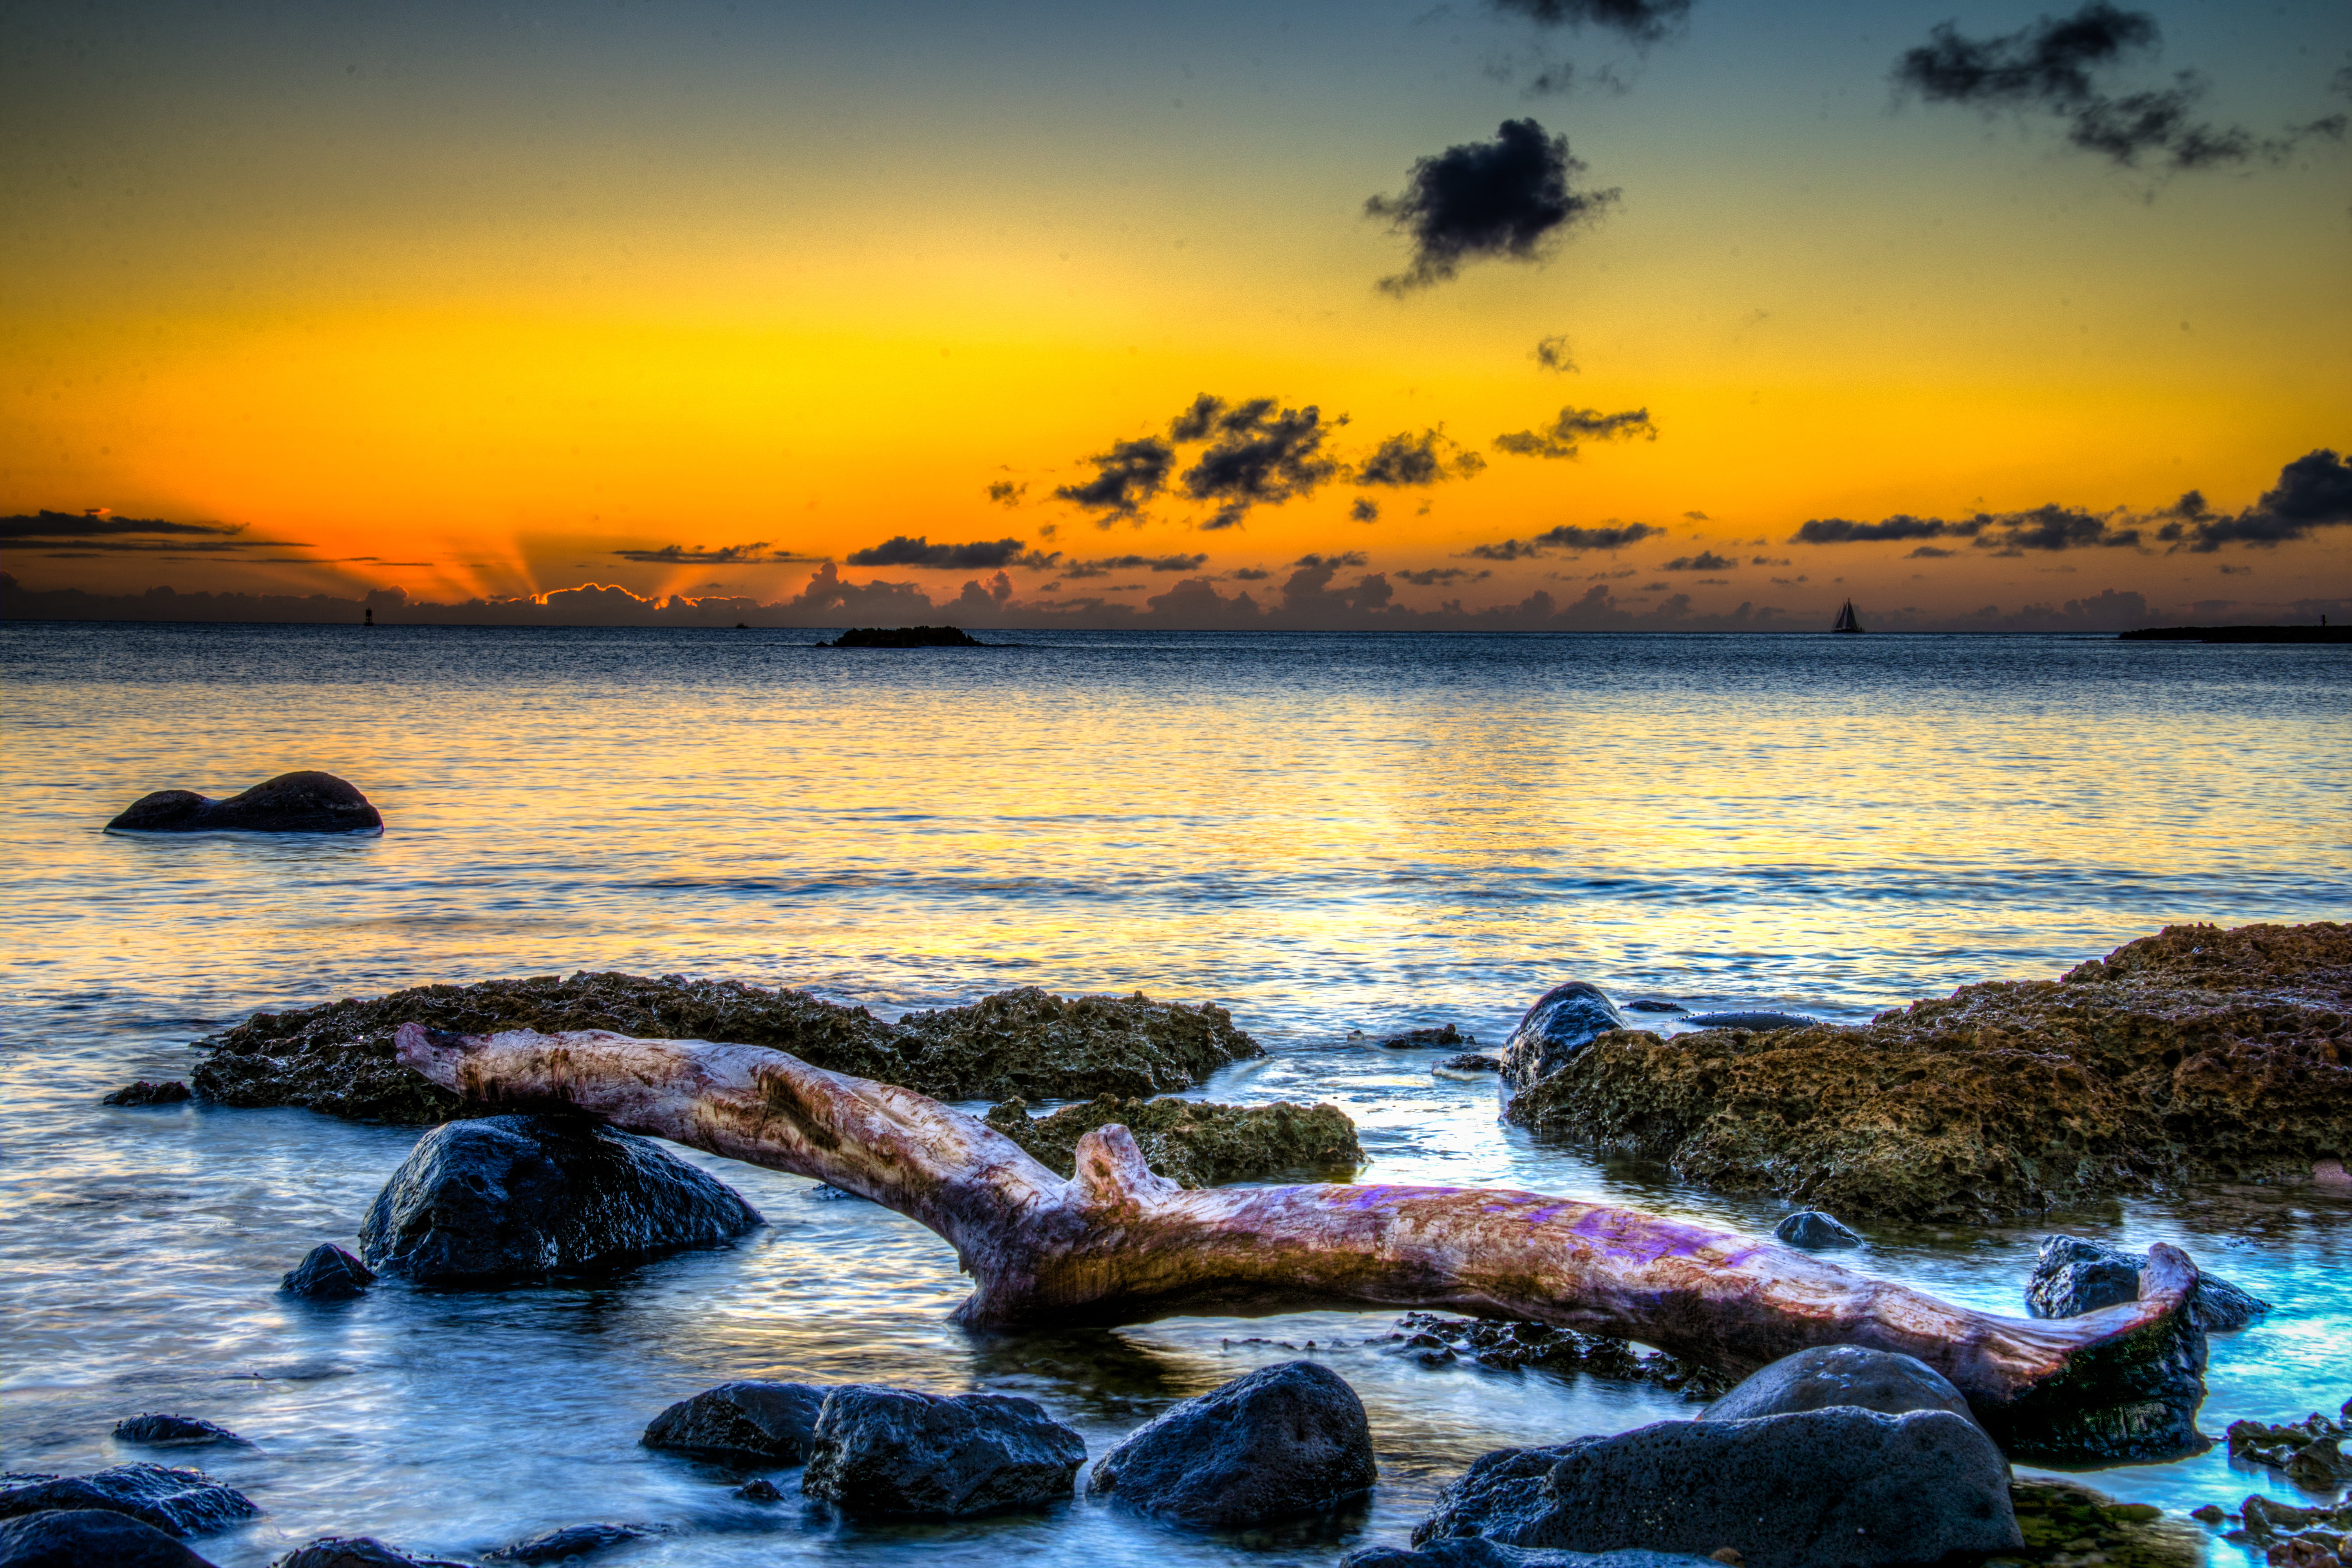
[
  {"x": 1507, "y": 199},
  {"x": 1126, "y": 480},
  {"x": 1568, "y": 537},
  {"x": 1249, "y": 573},
  {"x": 1640, "y": 21},
  {"x": 2052, "y": 67},
  {"x": 981, "y": 554},
  {"x": 1105, "y": 565},
  {"x": 1004, "y": 492},
  {"x": 2050, "y": 527},
  {"x": 1844, "y": 531},
  {"x": 1928, "y": 552},
  {"x": 2314, "y": 491},
  {"x": 1552, "y": 354},
  {"x": 99, "y": 533},
  {"x": 1259, "y": 454},
  {"x": 1406, "y": 460},
  {"x": 1705, "y": 560},
  {"x": 757, "y": 552},
  {"x": 1364, "y": 508},
  {"x": 1436, "y": 576},
  {"x": 1575, "y": 425}
]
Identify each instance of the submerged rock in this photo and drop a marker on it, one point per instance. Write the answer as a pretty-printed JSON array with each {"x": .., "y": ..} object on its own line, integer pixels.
[
  {"x": 89, "y": 1538},
  {"x": 1468, "y": 1065},
  {"x": 1753, "y": 1021},
  {"x": 1423, "y": 1039},
  {"x": 327, "y": 1273},
  {"x": 1821, "y": 1489},
  {"x": 160, "y": 1431},
  {"x": 290, "y": 803},
  {"x": 895, "y": 1451},
  {"x": 1193, "y": 1142},
  {"x": 339, "y": 1058},
  {"x": 1279, "y": 1441},
  {"x": 568, "y": 1544},
  {"x": 146, "y": 1093},
  {"x": 1825, "y": 1376},
  {"x": 1477, "y": 1551},
  {"x": 1815, "y": 1232},
  {"x": 2199, "y": 1054},
  {"x": 2311, "y": 1451},
  {"x": 2073, "y": 1276},
  {"x": 747, "y": 1423},
  {"x": 1502, "y": 1345},
  {"x": 356, "y": 1551},
  {"x": 1564, "y": 1020},
  {"x": 512, "y": 1197},
  {"x": 176, "y": 1501}
]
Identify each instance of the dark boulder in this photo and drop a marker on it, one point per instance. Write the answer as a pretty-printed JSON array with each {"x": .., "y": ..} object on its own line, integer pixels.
[
  {"x": 1652, "y": 1005},
  {"x": 510, "y": 1197},
  {"x": 90, "y": 1537},
  {"x": 162, "y": 1431},
  {"x": 146, "y": 1093},
  {"x": 1838, "y": 1488},
  {"x": 1476, "y": 1551},
  {"x": 1193, "y": 1142},
  {"x": 1814, "y": 1231},
  {"x": 327, "y": 1273},
  {"x": 176, "y": 1501},
  {"x": 290, "y": 803},
  {"x": 1469, "y": 1064},
  {"x": 2073, "y": 1276},
  {"x": 356, "y": 1551},
  {"x": 758, "y": 1489},
  {"x": 1829, "y": 1375},
  {"x": 1760, "y": 1022},
  {"x": 1423, "y": 1039},
  {"x": 1564, "y": 1020},
  {"x": 747, "y": 1423},
  {"x": 1280, "y": 1441},
  {"x": 565, "y": 1545},
  {"x": 895, "y": 1451}
]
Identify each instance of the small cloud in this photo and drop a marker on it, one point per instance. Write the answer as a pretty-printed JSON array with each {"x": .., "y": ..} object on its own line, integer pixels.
[
  {"x": 1004, "y": 492},
  {"x": 919, "y": 552},
  {"x": 1767, "y": 561},
  {"x": 1249, "y": 573},
  {"x": 1507, "y": 199},
  {"x": 1561, "y": 437},
  {"x": 1705, "y": 560},
  {"x": 1702, "y": 517},
  {"x": 1924, "y": 553},
  {"x": 1568, "y": 537},
  {"x": 1128, "y": 476},
  {"x": 1641, "y": 22},
  {"x": 1364, "y": 508},
  {"x": 1437, "y": 577},
  {"x": 756, "y": 553},
  {"x": 1552, "y": 354}
]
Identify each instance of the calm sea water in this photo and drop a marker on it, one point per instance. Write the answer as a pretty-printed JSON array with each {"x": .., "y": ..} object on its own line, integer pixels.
[{"x": 1324, "y": 834}]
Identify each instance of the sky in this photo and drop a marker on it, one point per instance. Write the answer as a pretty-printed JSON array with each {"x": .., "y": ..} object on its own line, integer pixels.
[{"x": 1526, "y": 312}]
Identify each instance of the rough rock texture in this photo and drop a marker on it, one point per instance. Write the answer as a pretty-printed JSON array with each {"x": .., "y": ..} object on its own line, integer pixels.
[
  {"x": 1563, "y": 1022},
  {"x": 1753, "y": 1020},
  {"x": 327, "y": 1273},
  {"x": 1423, "y": 1039},
  {"x": 2311, "y": 1451},
  {"x": 1469, "y": 1064},
  {"x": 338, "y": 1057},
  {"x": 895, "y": 1451},
  {"x": 160, "y": 1431},
  {"x": 565, "y": 1545},
  {"x": 2066, "y": 1524},
  {"x": 1814, "y": 1231},
  {"x": 2199, "y": 1054},
  {"x": 176, "y": 1501},
  {"x": 1193, "y": 1143},
  {"x": 509, "y": 1198},
  {"x": 1282, "y": 1440},
  {"x": 1477, "y": 1551},
  {"x": 1504, "y": 1346},
  {"x": 356, "y": 1551},
  {"x": 2073, "y": 1276},
  {"x": 1820, "y": 1489},
  {"x": 1839, "y": 1374},
  {"x": 290, "y": 803},
  {"x": 88, "y": 1538},
  {"x": 748, "y": 1424},
  {"x": 146, "y": 1093}
]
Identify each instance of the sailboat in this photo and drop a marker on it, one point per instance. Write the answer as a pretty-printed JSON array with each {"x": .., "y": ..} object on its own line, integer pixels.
[{"x": 1847, "y": 621}]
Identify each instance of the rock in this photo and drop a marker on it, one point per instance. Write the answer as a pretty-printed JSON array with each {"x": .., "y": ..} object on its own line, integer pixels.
[
  {"x": 356, "y": 1551},
  {"x": 1820, "y": 1489},
  {"x": 1829, "y": 1375},
  {"x": 176, "y": 1501},
  {"x": 1652, "y": 1005},
  {"x": 2063, "y": 1522},
  {"x": 1759, "y": 1021},
  {"x": 339, "y": 1058},
  {"x": 327, "y": 1273},
  {"x": 569, "y": 1544},
  {"x": 1468, "y": 1065},
  {"x": 172, "y": 1432},
  {"x": 1193, "y": 1142},
  {"x": 290, "y": 803},
  {"x": 1507, "y": 1346},
  {"x": 512, "y": 1197},
  {"x": 2198, "y": 1055},
  {"x": 895, "y": 1451},
  {"x": 1475, "y": 1552},
  {"x": 2073, "y": 1275},
  {"x": 758, "y": 1489},
  {"x": 1814, "y": 1231},
  {"x": 146, "y": 1093},
  {"x": 2311, "y": 1451},
  {"x": 90, "y": 1537},
  {"x": 904, "y": 636},
  {"x": 749, "y": 1423},
  {"x": 1422, "y": 1040},
  {"x": 1564, "y": 1020},
  {"x": 1283, "y": 1440}
]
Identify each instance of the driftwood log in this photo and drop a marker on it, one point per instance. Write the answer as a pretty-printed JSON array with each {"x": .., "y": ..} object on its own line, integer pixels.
[{"x": 1117, "y": 1244}]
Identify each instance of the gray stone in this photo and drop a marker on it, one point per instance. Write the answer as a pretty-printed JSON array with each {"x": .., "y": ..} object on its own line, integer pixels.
[
  {"x": 880, "y": 1451},
  {"x": 1839, "y": 1488},
  {"x": 752, "y": 1424},
  {"x": 1814, "y": 1231},
  {"x": 327, "y": 1273},
  {"x": 565, "y": 1545},
  {"x": 162, "y": 1431},
  {"x": 2073, "y": 1276},
  {"x": 356, "y": 1551},
  {"x": 1830, "y": 1375},
  {"x": 1474, "y": 1551},
  {"x": 1469, "y": 1064},
  {"x": 513, "y": 1197},
  {"x": 176, "y": 1501},
  {"x": 90, "y": 1537},
  {"x": 1758, "y": 1023},
  {"x": 1282, "y": 1440},
  {"x": 290, "y": 803},
  {"x": 1563, "y": 1021},
  {"x": 144, "y": 1092}
]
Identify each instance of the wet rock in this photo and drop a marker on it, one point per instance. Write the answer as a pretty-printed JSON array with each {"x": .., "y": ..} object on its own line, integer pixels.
[
  {"x": 2310, "y": 1451},
  {"x": 748, "y": 1424},
  {"x": 2073, "y": 1276},
  {"x": 176, "y": 1501},
  {"x": 1814, "y": 1231},
  {"x": 568, "y": 1544},
  {"x": 1283, "y": 1440},
  {"x": 1761, "y": 1021},
  {"x": 1829, "y": 1375},
  {"x": 881, "y": 1451},
  {"x": 146, "y": 1093},
  {"x": 86, "y": 1538},
  {"x": 512, "y": 1197},
  {"x": 160, "y": 1431},
  {"x": 758, "y": 1489},
  {"x": 290, "y": 803},
  {"x": 1476, "y": 1551},
  {"x": 1816, "y": 1488},
  {"x": 2197, "y": 1055},
  {"x": 2066, "y": 1524},
  {"x": 1193, "y": 1142},
  {"x": 1502, "y": 1345},
  {"x": 1652, "y": 1005},
  {"x": 1423, "y": 1039},
  {"x": 1468, "y": 1065},
  {"x": 2130, "y": 1400},
  {"x": 356, "y": 1551},
  {"x": 327, "y": 1273},
  {"x": 1563, "y": 1022},
  {"x": 339, "y": 1058}
]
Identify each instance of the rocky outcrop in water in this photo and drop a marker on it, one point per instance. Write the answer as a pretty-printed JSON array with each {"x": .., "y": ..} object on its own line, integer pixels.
[
  {"x": 356, "y": 1551},
  {"x": 1280, "y": 1441},
  {"x": 160, "y": 1431},
  {"x": 1815, "y": 1232},
  {"x": 905, "y": 636},
  {"x": 86, "y": 1538},
  {"x": 2073, "y": 1276},
  {"x": 513, "y": 1197},
  {"x": 176, "y": 1501},
  {"x": 1825, "y": 1376},
  {"x": 751, "y": 1425},
  {"x": 146, "y": 1093},
  {"x": 327, "y": 1273},
  {"x": 1193, "y": 1142},
  {"x": 290, "y": 803},
  {"x": 1563, "y": 1022},
  {"x": 338, "y": 1057},
  {"x": 568, "y": 1544},
  {"x": 1476, "y": 1551},
  {"x": 881, "y": 1451},
  {"x": 2310, "y": 1451},
  {"x": 2199, "y": 1054},
  {"x": 1501, "y": 1345}
]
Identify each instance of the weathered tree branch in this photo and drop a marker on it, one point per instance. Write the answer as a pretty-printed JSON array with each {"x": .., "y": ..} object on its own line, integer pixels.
[{"x": 1117, "y": 1244}]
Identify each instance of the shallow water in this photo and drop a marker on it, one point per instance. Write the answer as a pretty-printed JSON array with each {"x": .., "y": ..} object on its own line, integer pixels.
[{"x": 1322, "y": 833}]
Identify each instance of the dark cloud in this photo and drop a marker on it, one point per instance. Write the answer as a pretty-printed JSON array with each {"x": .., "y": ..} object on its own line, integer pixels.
[
  {"x": 46, "y": 527},
  {"x": 1642, "y": 21},
  {"x": 2048, "y": 527},
  {"x": 980, "y": 555},
  {"x": 1405, "y": 460},
  {"x": 184, "y": 548},
  {"x": 1567, "y": 536},
  {"x": 1127, "y": 478},
  {"x": 2052, "y": 67},
  {"x": 723, "y": 555},
  {"x": 1507, "y": 199},
  {"x": 1259, "y": 454},
  {"x": 1552, "y": 354},
  {"x": 1844, "y": 531},
  {"x": 1561, "y": 437},
  {"x": 1926, "y": 552},
  {"x": 1705, "y": 560},
  {"x": 2314, "y": 491},
  {"x": 1004, "y": 492},
  {"x": 1105, "y": 565},
  {"x": 1335, "y": 561},
  {"x": 1767, "y": 560},
  {"x": 1364, "y": 508},
  {"x": 1437, "y": 575},
  {"x": 1249, "y": 573}
]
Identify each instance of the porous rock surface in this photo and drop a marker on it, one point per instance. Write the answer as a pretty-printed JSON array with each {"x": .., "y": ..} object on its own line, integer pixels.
[
  {"x": 1193, "y": 1142},
  {"x": 512, "y": 1197},
  {"x": 2073, "y": 1276},
  {"x": 87, "y": 1537},
  {"x": 176, "y": 1501},
  {"x": 170, "y": 1092},
  {"x": 1839, "y": 1488},
  {"x": 879, "y": 1451},
  {"x": 327, "y": 1273},
  {"x": 290, "y": 803},
  {"x": 339, "y": 1058},
  {"x": 750, "y": 1423},
  {"x": 2199, "y": 1055},
  {"x": 1279, "y": 1441},
  {"x": 1825, "y": 1376}
]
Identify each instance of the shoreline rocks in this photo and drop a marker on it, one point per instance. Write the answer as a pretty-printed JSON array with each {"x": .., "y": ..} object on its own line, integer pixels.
[
  {"x": 895, "y": 1451},
  {"x": 327, "y": 1273},
  {"x": 1193, "y": 1142},
  {"x": 1278, "y": 1442},
  {"x": 356, "y": 1551},
  {"x": 2073, "y": 1276},
  {"x": 146, "y": 1093},
  {"x": 157, "y": 1430},
  {"x": 1828, "y": 1375},
  {"x": 176, "y": 1501},
  {"x": 749, "y": 1425},
  {"x": 79, "y": 1537},
  {"x": 1501, "y": 1345},
  {"x": 290, "y": 803},
  {"x": 1814, "y": 1231},
  {"x": 1563, "y": 1022}
]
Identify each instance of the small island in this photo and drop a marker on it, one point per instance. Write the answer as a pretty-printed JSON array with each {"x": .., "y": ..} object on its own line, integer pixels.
[
  {"x": 2323, "y": 633},
  {"x": 904, "y": 636}
]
